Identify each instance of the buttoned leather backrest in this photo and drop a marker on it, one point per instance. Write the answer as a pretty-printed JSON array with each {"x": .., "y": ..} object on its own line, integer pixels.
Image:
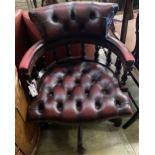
[{"x": 74, "y": 19}]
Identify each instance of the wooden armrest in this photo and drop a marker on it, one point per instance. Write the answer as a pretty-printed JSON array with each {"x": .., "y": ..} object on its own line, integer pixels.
[
  {"x": 121, "y": 51},
  {"x": 31, "y": 56}
]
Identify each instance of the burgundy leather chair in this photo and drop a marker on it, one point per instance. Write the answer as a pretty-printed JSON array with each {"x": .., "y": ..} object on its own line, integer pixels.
[{"x": 65, "y": 82}]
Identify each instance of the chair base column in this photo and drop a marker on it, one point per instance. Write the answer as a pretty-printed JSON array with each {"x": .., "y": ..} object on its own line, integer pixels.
[{"x": 80, "y": 148}]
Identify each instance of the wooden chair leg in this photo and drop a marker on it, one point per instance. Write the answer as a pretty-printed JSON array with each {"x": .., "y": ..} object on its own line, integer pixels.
[
  {"x": 80, "y": 148},
  {"x": 124, "y": 77},
  {"x": 135, "y": 116},
  {"x": 131, "y": 120},
  {"x": 35, "y": 3},
  {"x": 118, "y": 67}
]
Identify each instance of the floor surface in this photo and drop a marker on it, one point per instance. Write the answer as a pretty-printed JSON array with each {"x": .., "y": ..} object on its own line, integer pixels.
[{"x": 99, "y": 139}]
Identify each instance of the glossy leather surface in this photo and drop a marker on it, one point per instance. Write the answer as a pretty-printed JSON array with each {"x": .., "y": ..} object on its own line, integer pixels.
[
  {"x": 82, "y": 91},
  {"x": 68, "y": 19}
]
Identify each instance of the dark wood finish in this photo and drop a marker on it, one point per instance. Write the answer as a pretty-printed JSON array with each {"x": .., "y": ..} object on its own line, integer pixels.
[
  {"x": 118, "y": 67},
  {"x": 96, "y": 53},
  {"x": 131, "y": 120},
  {"x": 108, "y": 59},
  {"x": 80, "y": 148},
  {"x": 126, "y": 15},
  {"x": 136, "y": 49},
  {"x": 135, "y": 116},
  {"x": 42, "y": 2},
  {"x": 35, "y": 3},
  {"x": 135, "y": 76},
  {"x": 131, "y": 11},
  {"x": 124, "y": 77}
]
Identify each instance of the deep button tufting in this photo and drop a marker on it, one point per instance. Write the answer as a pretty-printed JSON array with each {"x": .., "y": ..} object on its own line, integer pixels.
[
  {"x": 96, "y": 77},
  {"x": 98, "y": 103},
  {"x": 84, "y": 14},
  {"x": 77, "y": 81},
  {"x": 70, "y": 93},
  {"x": 93, "y": 79},
  {"x": 77, "y": 78},
  {"x": 120, "y": 99},
  {"x": 115, "y": 81},
  {"x": 55, "y": 18},
  {"x": 118, "y": 103},
  {"x": 78, "y": 93},
  {"x": 106, "y": 84},
  {"x": 95, "y": 91},
  {"x": 87, "y": 91},
  {"x": 42, "y": 96},
  {"x": 59, "y": 93},
  {"x": 60, "y": 81},
  {"x": 48, "y": 85},
  {"x": 85, "y": 81},
  {"x": 86, "y": 70},
  {"x": 79, "y": 105},
  {"x": 106, "y": 91},
  {"x": 50, "y": 93},
  {"x": 68, "y": 82},
  {"x": 59, "y": 106},
  {"x": 50, "y": 110},
  {"x": 92, "y": 15},
  {"x": 96, "y": 74},
  {"x": 40, "y": 106}
]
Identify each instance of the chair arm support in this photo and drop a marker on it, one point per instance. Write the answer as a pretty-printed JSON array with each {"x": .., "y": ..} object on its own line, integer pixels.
[
  {"x": 121, "y": 51},
  {"x": 30, "y": 57}
]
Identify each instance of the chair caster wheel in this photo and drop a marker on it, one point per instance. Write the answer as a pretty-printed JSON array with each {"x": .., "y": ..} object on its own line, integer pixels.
[{"x": 81, "y": 150}]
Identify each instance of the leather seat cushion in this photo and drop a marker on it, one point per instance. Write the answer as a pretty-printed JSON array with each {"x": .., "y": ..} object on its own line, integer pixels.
[{"x": 82, "y": 91}]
